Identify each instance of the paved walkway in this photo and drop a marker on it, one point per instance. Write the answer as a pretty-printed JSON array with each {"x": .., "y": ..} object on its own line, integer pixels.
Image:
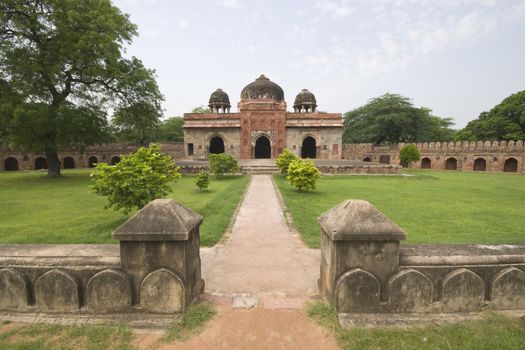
[{"x": 262, "y": 259}]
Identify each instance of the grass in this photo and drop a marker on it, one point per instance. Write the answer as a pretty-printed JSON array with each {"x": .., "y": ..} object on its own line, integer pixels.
[
  {"x": 432, "y": 206},
  {"x": 36, "y": 209},
  {"x": 492, "y": 332},
  {"x": 44, "y": 336},
  {"x": 191, "y": 323}
]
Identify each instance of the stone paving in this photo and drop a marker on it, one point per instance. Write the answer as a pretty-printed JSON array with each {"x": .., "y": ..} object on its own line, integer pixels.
[{"x": 262, "y": 263}]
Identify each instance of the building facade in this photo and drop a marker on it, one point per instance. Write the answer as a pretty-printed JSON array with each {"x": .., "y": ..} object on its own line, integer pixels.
[{"x": 262, "y": 127}]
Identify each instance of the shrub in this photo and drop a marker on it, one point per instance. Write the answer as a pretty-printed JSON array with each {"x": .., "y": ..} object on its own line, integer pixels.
[
  {"x": 136, "y": 180},
  {"x": 409, "y": 153},
  {"x": 222, "y": 163},
  {"x": 302, "y": 174},
  {"x": 284, "y": 159},
  {"x": 202, "y": 180}
]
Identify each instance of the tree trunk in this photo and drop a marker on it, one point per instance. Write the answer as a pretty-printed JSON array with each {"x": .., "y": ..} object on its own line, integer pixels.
[{"x": 53, "y": 164}]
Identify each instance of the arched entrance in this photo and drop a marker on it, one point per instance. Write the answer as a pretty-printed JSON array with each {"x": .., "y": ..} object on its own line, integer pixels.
[
  {"x": 11, "y": 164},
  {"x": 367, "y": 159},
  {"x": 115, "y": 160},
  {"x": 511, "y": 166},
  {"x": 216, "y": 145},
  {"x": 451, "y": 164},
  {"x": 426, "y": 163},
  {"x": 480, "y": 164},
  {"x": 263, "y": 148},
  {"x": 69, "y": 163},
  {"x": 92, "y": 161},
  {"x": 308, "y": 150},
  {"x": 40, "y": 163}
]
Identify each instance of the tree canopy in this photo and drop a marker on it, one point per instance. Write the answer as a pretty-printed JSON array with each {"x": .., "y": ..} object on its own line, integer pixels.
[
  {"x": 171, "y": 130},
  {"x": 392, "y": 118},
  {"x": 63, "y": 59},
  {"x": 505, "y": 121}
]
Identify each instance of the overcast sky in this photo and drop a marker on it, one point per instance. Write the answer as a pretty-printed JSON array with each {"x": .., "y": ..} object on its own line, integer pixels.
[{"x": 457, "y": 57}]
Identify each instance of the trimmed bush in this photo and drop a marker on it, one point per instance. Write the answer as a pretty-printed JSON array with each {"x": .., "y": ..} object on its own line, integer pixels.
[
  {"x": 284, "y": 159},
  {"x": 136, "y": 180},
  {"x": 408, "y": 153},
  {"x": 302, "y": 174},
  {"x": 222, "y": 163},
  {"x": 202, "y": 180}
]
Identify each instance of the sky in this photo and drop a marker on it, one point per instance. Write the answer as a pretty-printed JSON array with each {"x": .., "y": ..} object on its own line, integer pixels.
[{"x": 456, "y": 57}]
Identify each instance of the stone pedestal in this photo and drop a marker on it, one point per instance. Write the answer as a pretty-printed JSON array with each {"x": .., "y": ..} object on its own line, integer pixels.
[
  {"x": 159, "y": 250},
  {"x": 359, "y": 252}
]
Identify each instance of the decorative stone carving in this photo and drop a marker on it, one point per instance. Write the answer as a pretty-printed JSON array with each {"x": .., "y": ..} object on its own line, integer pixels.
[
  {"x": 108, "y": 291},
  {"x": 463, "y": 290},
  {"x": 162, "y": 291},
  {"x": 409, "y": 291},
  {"x": 56, "y": 291},
  {"x": 508, "y": 289},
  {"x": 13, "y": 290},
  {"x": 357, "y": 291}
]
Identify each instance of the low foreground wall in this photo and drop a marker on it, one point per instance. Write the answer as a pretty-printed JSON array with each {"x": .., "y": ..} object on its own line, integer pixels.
[
  {"x": 365, "y": 270},
  {"x": 155, "y": 269}
]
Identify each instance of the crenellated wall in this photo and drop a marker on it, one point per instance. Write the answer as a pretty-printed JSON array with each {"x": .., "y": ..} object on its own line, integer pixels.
[
  {"x": 495, "y": 156},
  {"x": 364, "y": 269},
  {"x": 108, "y": 153}
]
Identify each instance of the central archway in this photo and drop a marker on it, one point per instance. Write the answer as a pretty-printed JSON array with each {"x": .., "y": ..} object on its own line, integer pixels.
[
  {"x": 216, "y": 145},
  {"x": 263, "y": 148},
  {"x": 309, "y": 149}
]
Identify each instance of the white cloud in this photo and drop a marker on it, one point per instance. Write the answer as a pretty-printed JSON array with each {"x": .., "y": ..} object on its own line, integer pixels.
[
  {"x": 228, "y": 3},
  {"x": 182, "y": 23},
  {"x": 335, "y": 9}
]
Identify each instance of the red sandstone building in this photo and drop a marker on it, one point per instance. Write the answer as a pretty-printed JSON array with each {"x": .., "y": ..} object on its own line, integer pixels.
[{"x": 262, "y": 127}]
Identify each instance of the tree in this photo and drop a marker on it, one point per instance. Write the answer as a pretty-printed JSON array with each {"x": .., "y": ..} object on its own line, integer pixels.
[
  {"x": 63, "y": 58},
  {"x": 505, "y": 121},
  {"x": 171, "y": 130},
  {"x": 202, "y": 180},
  {"x": 136, "y": 180},
  {"x": 138, "y": 123},
  {"x": 284, "y": 159},
  {"x": 223, "y": 163},
  {"x": 409, "y": 153},
  {"x": 393, "y": 118},
  {"x": 302, "y": 174},
  {"x": 201, "y": 109}
]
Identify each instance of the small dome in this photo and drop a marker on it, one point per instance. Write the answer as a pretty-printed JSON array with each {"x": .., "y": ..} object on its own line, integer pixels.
[
  {"x": 262, "y": 88},
  {"x": 305, "y": 100},
  {"x": 219, "y": 97}
]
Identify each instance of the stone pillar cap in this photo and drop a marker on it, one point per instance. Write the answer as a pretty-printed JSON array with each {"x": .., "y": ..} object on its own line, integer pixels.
[
  {"x": 358, "y": 220},
  {"x": 159, "y": 220}
]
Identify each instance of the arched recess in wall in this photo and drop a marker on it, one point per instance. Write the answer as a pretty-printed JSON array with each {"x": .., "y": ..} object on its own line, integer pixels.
[
  {"x": 69, "y": 163},
  {"x": 480, "y": 164},
  {"x": 451, "y": 164},
  {"x": 11, "y": 164},
  {"x": 216, "y": 145},
  {"x": 40, "y": 163},
  {"x": 367, "y": 159},
  {"x": 511, "y": 165},
  {"x": 92, "y": 161},
  {"x": 309, "y": 148},
  {"x": 426, "y": 163},
  {"x": 263, "y": 148},
  {"x": 115, "y": 160}
]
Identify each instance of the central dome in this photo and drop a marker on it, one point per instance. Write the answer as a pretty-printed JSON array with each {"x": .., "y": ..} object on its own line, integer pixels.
[{"x": 262, "y": 88}]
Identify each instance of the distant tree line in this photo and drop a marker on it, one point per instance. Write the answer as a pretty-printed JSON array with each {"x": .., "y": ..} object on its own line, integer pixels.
[{"x": 392, "y": 118}]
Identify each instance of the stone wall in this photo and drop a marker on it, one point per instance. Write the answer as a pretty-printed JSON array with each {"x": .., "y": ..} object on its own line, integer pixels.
[
  {"x": 109, "y": 153},
  {"x": 496, "y": 156},
  {"x": 364, "y": 269},
  {"x": 156, "y": 268}
]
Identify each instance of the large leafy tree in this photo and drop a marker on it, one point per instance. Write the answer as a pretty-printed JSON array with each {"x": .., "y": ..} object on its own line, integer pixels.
[
  {"x": 64, "y": 61},
  {"x": 393, "y": 118},
  {"x": 171, "y": 130},
  {"x": 505, "y": 121}
]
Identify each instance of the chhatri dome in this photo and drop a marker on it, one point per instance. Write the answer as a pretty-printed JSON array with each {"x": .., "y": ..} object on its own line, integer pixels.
[
  {"x": 305, "y": 102},
  {"x": 262, "y": 88},
  {"x": 219, "y": 101}
]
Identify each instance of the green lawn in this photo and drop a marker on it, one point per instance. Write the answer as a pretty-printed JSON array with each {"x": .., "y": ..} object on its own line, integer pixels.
[
  {"x": 431, "y": 206},
  {"x": 36, "y": 209},
  {"x": 493, "y": 331}
]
